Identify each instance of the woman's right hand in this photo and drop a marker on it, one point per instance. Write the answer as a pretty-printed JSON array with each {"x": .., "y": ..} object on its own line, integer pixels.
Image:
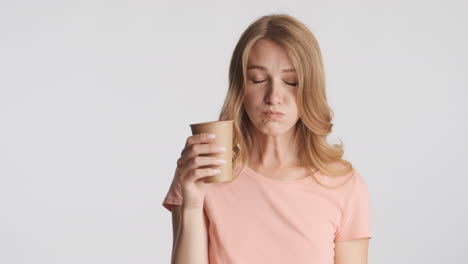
[{"x": 189, "y": 171}]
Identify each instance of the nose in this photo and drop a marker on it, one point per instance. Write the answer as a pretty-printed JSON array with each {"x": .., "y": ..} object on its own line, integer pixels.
[{"x": 273, "y": 94}]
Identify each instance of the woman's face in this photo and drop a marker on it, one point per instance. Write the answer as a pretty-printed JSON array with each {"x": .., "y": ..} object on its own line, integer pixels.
[{"x": 271, "y": 85}]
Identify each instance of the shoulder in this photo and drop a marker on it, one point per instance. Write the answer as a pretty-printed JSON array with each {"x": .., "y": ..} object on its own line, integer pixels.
[
  {"x": 336, "y": 181},
  {"x": 350, "y": 182},
  {"x": 360, "y": 183}
]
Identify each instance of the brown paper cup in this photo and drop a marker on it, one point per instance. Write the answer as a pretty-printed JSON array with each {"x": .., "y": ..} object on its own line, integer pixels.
[{"x": 223, "y": 131}]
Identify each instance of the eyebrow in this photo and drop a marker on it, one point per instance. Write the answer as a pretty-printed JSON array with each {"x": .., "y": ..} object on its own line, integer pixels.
[{"x": 250, "y": 67}]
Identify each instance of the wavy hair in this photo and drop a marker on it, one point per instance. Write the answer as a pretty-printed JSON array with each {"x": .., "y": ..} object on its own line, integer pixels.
[{"x": 315, "y": 124}]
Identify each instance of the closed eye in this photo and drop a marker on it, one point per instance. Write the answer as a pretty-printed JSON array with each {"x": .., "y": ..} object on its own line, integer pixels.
[{"x": 256, "y": 82}]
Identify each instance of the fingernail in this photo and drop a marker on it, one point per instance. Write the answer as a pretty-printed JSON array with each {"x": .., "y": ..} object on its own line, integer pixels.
[
  {"x": 221, "y": 161},
  {"x": 211, "y": 135},
  {"x": 222, "y": 149}
]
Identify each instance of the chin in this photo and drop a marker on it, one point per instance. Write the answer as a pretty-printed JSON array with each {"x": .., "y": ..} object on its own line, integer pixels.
[{"x": 273, "y": 130}]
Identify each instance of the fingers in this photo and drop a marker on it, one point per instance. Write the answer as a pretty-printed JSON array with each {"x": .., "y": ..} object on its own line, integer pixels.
[
  {"x": 196, "y": 145},
  {"x": 196, "y": 139},
  {"x": 197, "y": 150},
  {"x": 193, "y": 157},
  {"x": 201, "y": 161},
  {"x": 200, "y": 173}
]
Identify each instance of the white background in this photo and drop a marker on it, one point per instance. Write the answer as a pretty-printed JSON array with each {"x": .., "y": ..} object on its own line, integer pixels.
[{"x": 96, "y": 98}]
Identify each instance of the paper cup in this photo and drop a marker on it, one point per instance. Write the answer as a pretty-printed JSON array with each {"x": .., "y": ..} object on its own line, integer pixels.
[{"x": 223, "y": 131}]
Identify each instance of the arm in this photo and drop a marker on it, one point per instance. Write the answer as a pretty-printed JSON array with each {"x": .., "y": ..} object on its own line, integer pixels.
[
  {"x": 190, "y": 245},
  {"x": 352, "y": 251},
  {"x": 175, "y": 226}
]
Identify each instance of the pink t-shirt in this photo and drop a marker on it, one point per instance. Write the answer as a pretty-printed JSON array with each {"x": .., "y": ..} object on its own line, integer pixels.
[{"x": 256, "y": 219}]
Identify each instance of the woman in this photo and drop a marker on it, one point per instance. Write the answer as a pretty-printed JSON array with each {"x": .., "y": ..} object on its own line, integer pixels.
[{"x": 294, "y": 199}]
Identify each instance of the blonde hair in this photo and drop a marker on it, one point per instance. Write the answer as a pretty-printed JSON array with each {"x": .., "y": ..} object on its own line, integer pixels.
[{"x": 316, "y": 115}]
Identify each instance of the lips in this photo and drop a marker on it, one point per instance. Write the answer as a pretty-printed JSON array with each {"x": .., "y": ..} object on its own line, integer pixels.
[{"x": 270, "y": 112}]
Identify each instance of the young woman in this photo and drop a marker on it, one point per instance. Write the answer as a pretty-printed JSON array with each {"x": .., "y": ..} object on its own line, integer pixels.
[{"x": 294, "y": 199}]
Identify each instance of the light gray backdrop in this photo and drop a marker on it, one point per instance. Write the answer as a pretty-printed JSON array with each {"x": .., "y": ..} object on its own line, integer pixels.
[{"x": 96, "y": 98}]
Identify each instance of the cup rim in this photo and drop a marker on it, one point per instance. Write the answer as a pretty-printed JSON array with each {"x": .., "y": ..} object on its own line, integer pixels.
[{"x": 213, "y": 122}]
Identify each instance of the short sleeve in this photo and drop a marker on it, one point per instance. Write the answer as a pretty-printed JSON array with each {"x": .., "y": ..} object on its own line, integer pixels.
[
  {"x": 356, "y": 218},
  {"x": 174, "y": 194}
]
